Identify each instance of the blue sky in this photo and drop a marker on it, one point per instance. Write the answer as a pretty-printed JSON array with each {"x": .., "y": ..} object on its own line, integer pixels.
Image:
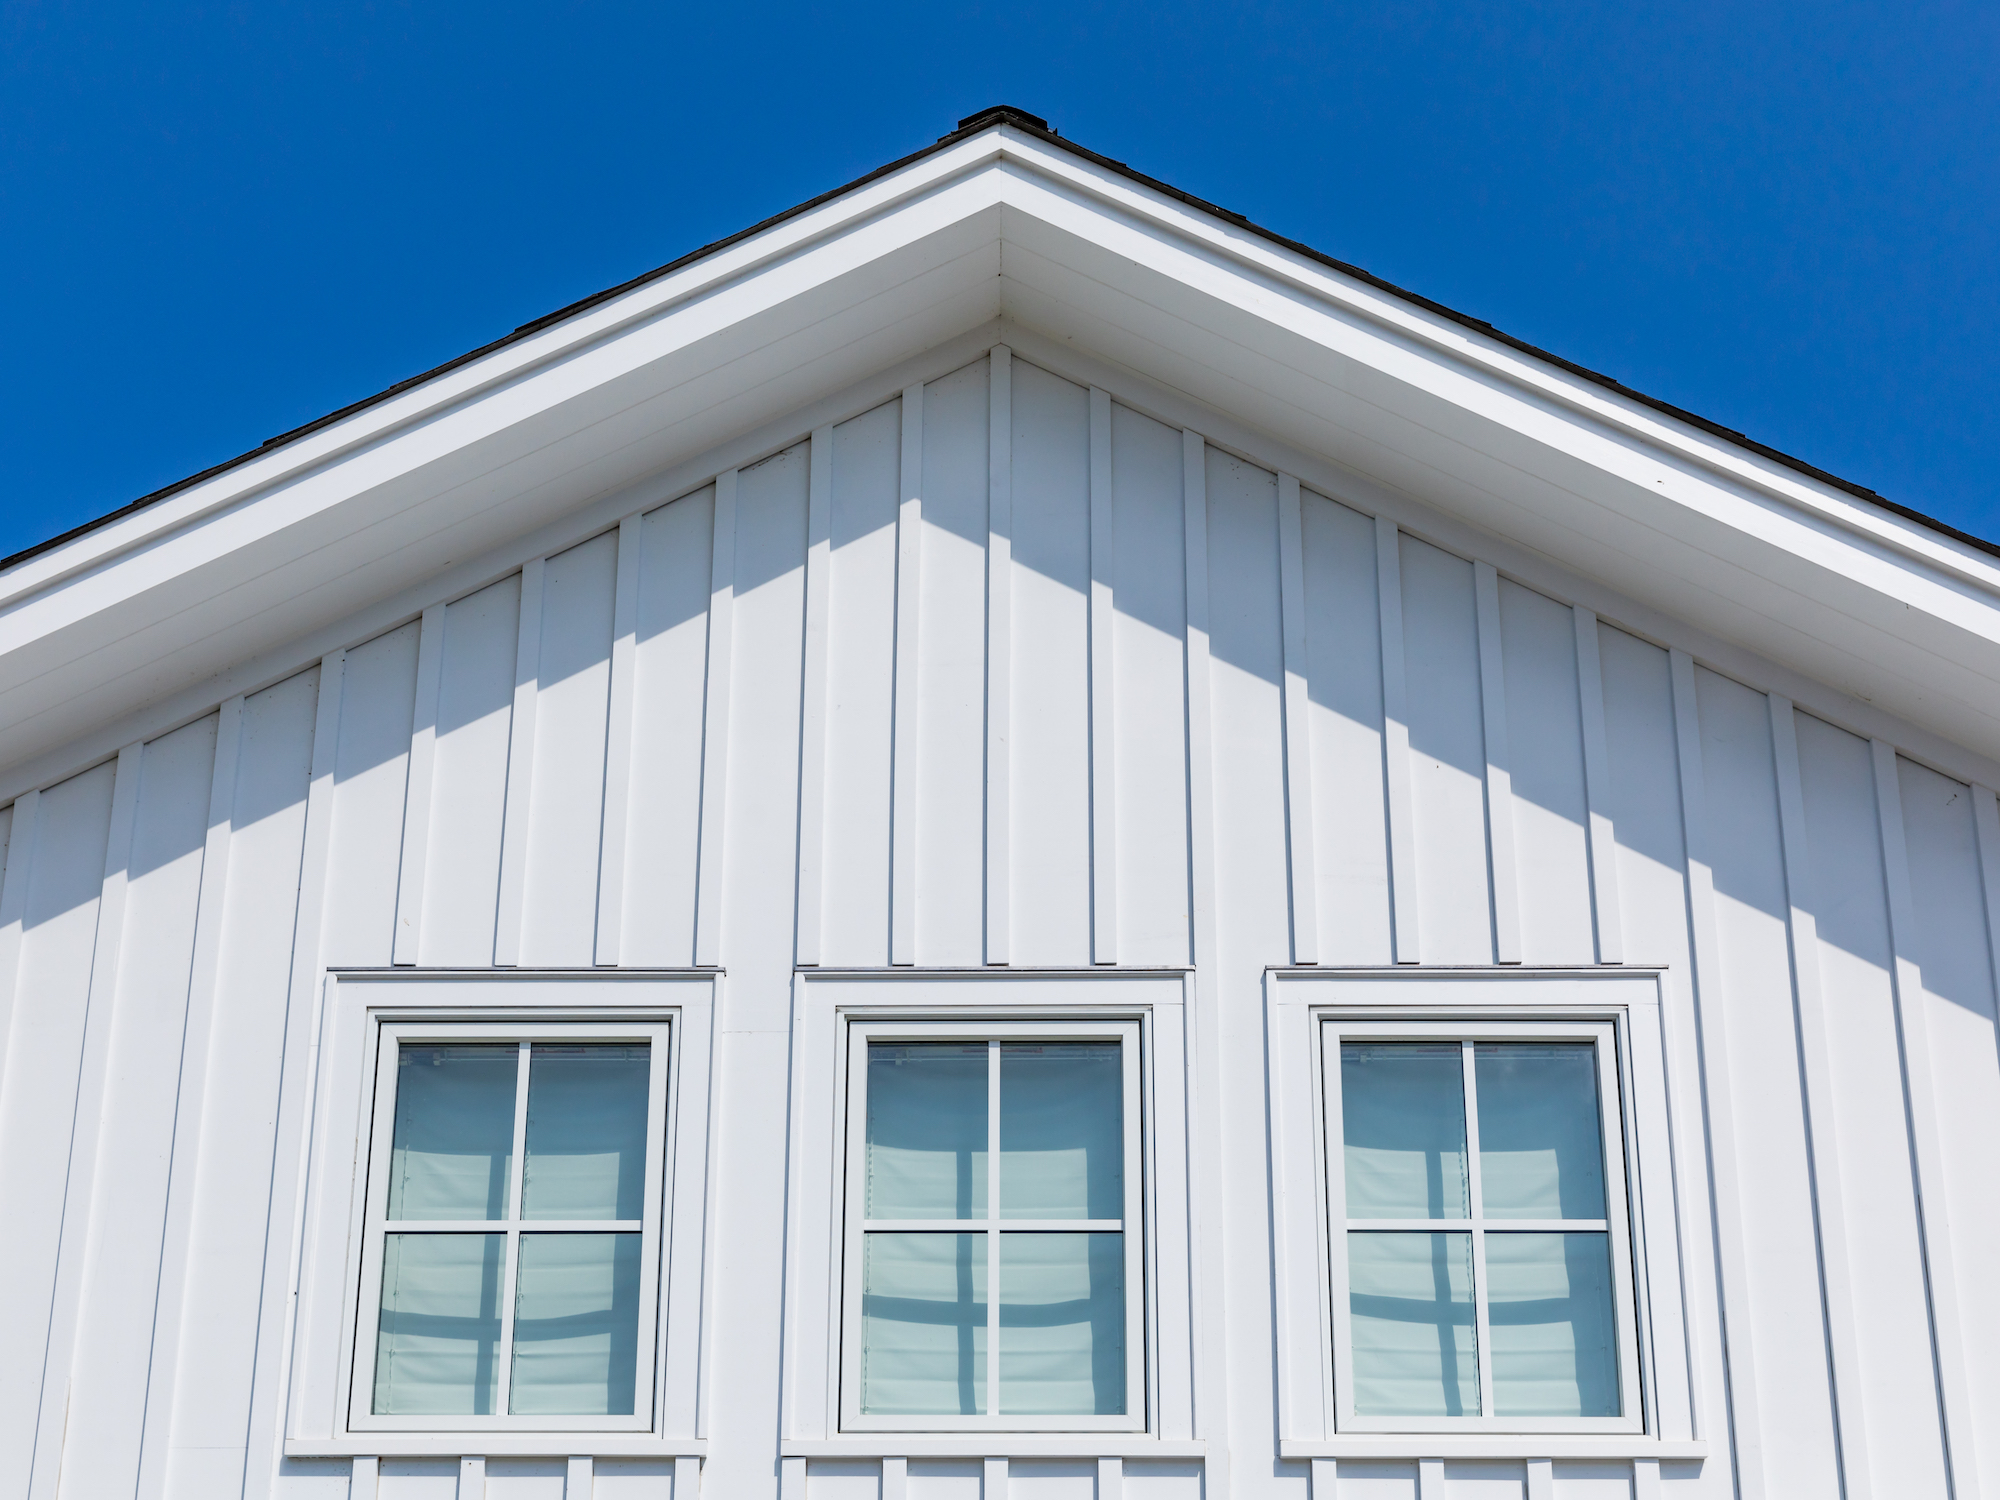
[{"x": 218, "y": 221}]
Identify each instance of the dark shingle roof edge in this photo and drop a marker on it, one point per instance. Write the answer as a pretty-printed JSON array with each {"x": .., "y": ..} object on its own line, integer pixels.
[{"x": 1037, "y": 127}]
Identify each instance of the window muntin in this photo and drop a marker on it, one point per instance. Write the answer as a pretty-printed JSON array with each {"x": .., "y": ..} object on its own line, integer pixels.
[
  {"x": 512, "y": 1238},
  {"x": 1481, "y": 1253},
  {"x": 932, "y": 1226}
]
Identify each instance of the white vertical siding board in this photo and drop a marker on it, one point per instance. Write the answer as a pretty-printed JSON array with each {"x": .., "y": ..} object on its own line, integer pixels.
[
  {"x": 1940, "y": 1252},
  {"x": 472, "y": 1478},
  {"x": 57, "y": 1348},
  {"x": 1499, "y": 786},
  {"x": 1110, "y": 1479},
  {"x": 1343, "y": 638},
  {"x": 417, "y": 802},
  {"x": 1597, "y": 792},
  {"x": 572, "y": 723},
  {"x": 949, "y": 701},
  {"x": 791, "y": 1480},
  {"x": 662, "y": 849},
  {"x": 1431, "y": 1479},
  {"x": 21, "y": 833},
  {"x": 1816, "y": 1066},
  {"x": 1396, "y": 745},
  {"x": 896, "y": 1479},
  {"x": 363, "y": 1479},
  {"x": 687, "y": 1478},
  {"x": 1301, "y": 829},
  {"x": 1746, "y": 1430},
  {"x": 520, "y": 769},
  {"x": 1323, "y": 1479},
  {"x": 1986, "y": 832},
  {"x": 715, "y": 725},
  {"x": 993, "y": 1480},
  {"x": 813, "y": 727},
  {"x": 999, "y": 654},
  {"x": 1049, "y": 754},
  {"x": 1646, "y": 1479},
  {"x": 39, "y": 1094},
  {"x": 579, "y": 1477},
  {"x": 1103, "y": 690},
  {"x": 370, "y": 775},
  {"x": 1541, "y": 1478},
  {"x": 907, "y": 721},
  {"x": 611, "y": 861},
  {"x": 1149, "y": 628}
]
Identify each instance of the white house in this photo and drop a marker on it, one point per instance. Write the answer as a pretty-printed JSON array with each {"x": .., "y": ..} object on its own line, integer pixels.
[{"x": 1004, "y": 839}]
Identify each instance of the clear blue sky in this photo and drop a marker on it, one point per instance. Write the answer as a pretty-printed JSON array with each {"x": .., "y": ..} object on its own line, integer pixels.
[{"x": 218, "y": 221}]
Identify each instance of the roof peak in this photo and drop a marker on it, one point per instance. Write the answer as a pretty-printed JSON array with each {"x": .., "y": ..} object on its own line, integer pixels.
[{"x": 1004, "y": 114}]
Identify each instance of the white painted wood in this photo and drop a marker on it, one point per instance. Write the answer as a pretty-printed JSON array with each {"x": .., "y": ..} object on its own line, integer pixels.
[
  {"x": 715, "y": 725},
  {"x": 472, "y": 1478},
  {"x": 1110, "y": 1479},
  {"x": 1324, "y": 1479},
  {"x": 1646, "y": 1479},
  {"x": 791, "y": 1479},
  {"x": 1605, "y": 909},
  {"x": 1396, "y": 745},
  {"x": 1914, "y": 1022},
  {"x": 520, "y": 768},
  {"x": 1816, "y": 1063},
  {"x": 993, "y": 1480},
  {"x": 895, "y": 1479},
  {"x": 905, "y": 771},
  {"x": 813, "y": 725},
  {"x": 999, "y": 655},
  {"x": 1505, "y": 868},
  {"x": 1710, "y": 1002},
  {"x": 22, "y": 824},
  {"x": 1300, "y": 825},
  {"x": 612, "y": 864},
  {"x": 417, "y": 801},
  {"x": 579, "y": 1477},
  {"x": 1986, "y": 826},
  {"x": 365, "y": 1479},
  {"x": 1541, "y": 1477},
  {"x": 1430, "y": 1479},
  {"x": 1103, "y": 689},
  {"x": 687, "y": 1477}
]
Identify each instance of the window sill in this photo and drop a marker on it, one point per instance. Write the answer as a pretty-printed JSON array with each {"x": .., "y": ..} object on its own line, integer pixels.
[
  {"x": 994, "y": 1445},
  {"x": 497, "y": 1445},
  {"x": 1491, "y": 1445}
]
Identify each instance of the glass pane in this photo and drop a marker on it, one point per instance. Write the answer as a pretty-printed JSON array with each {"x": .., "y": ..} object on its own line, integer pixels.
[
  {"x": 1061, "y": 1131},
  {"x": 1402, "y": 1108},
  {"x": 437, "y": 1343},
  {"x": 454, "y": 1144},
  {"x": 923, "y": 1324},
  {"x": 927, "y": 1130},
  {"x": 586, "y": 1144},
  {"x": 1062, "y": 1323},
  {"x": 1415, "y": 1340},
  {"x": 1554, "y": 1335},
  {"x": 576, "y": 1325},
  {"x": 1540, "y": 1154}
]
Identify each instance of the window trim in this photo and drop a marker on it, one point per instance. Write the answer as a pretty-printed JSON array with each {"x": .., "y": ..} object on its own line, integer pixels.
[
  {"x": 1614, "y": 1109},
  {"x": 1127, "y": 1033},
  {"x": 389, "y": 1038}
]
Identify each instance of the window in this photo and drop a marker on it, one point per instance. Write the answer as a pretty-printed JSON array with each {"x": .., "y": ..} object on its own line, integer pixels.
[
  {"x": 994, "y": 1275},
  {"x": 1482, "y": 1273},
  {"x": 511, "y": 1238}
]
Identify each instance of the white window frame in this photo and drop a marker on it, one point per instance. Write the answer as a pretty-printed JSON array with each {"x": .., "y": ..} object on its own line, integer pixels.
[
  {"x": 1617, "y": 1168},
  {"x": 1131, "y": 1225},
  {"x": 391, "y": 1037}
]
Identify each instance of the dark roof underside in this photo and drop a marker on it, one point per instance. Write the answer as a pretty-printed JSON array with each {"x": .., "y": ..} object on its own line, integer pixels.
[{"x": 1032, "y": 125}]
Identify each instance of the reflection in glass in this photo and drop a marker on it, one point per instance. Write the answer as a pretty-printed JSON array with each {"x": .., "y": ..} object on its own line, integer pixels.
[
  {"x": 1402, "y": 1110},
  {"x": 454, "y": 1132},
  {"x": 1061, "y": 1131},
  {"x": 1540, "y": 1150},
  {"x": 923, "y": 1324},
  {"x": 926, "y": 1147},
  {"x": 1549, "y": 1308},
  {"x": 576, "y": 1325},
  {"x": 1062, "y": 1323},
  {"x": 437, "y": 1340},
  {"x": 1413, "y": 1332},
  {"x": 586, "y": 1139}
]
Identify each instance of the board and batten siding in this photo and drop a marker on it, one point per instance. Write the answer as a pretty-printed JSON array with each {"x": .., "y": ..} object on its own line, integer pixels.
[{"x": 1006, "y": 672}]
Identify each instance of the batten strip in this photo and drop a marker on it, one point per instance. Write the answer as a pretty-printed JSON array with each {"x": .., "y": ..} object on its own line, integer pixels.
[
  {"x": 1986, "y": 835},
  {"x": 472, "y": 1477},
  {"x": 1920, "y": 1091},
  {"x": 1110, "y": 1479},
  {"x": 1597, "y": 791},
  {"x": 1816, "y": 1063},
  {"x": 896, "y": 1479},
  {"x": 1298, "y": 726},
  {"x": 812, "y": 705},
  {"x": 1541, "y": 1479},
  {"x": 715, "y": 726},
  {"x": 364, "y": 1476},
  {"x": 905, "y": 700},
  {"x": 1396, "y": 745},
  {"x": 21, "y": 839},
  {"x": 1499, "y": 778},
  {"x": 417, "y": 799},
  {"x": 1324, "y": 1480},
  {"x": 580, "y": 1477},
  {"x": 618, "y": 746},
  {"x": 1645, "y": 1479},
  {"x": 1712, "y": 1027},
  {"x": 999, "y": 655},
  {"x": 993, "y": 1480},
  {"x": 1103, "y": 701},
  {"x": 520, "y": 770}
]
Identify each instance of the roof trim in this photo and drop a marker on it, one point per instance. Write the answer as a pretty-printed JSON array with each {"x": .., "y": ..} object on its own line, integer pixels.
[{"x": 1038, "y": 128}]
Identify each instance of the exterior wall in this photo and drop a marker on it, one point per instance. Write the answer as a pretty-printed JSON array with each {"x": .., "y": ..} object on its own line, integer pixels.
[{"x": 1031, "y": 679}]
